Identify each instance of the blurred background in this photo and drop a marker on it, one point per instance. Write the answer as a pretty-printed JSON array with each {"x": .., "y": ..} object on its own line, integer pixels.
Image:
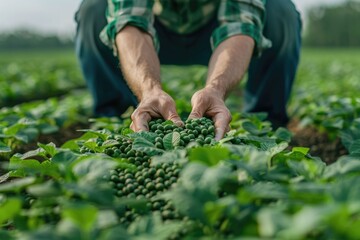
[{"x": 50, "y": 24}]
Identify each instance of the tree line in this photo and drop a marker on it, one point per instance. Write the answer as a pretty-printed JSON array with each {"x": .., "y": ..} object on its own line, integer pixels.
[
  {"x": 26, "y": 39},
  {"x": 334, "y": 26},
  {"x": 327, "y": 26}
]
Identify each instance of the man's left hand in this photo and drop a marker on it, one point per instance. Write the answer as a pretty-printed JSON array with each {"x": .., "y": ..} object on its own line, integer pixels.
[{"x": 210, "y": 102}]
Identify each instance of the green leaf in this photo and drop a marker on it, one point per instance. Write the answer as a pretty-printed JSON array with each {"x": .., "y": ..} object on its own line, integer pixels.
[
  {"x": 278, "y": 148},
  {"x": 97, "y": 192},
  {"x": 191, "y": 202},
  {"x": 9, "y": 209},
  {"x": 150, "y": 136},
  {"x": 34, "y": 153},
  {"x": 254, "y": 161},
  {"x": 262, "y": 143},
  {"x": 64, "y": 158},
  {"x": 191, "y": 198},
  {"x": 143, "y": 145},
  {"x": 4, "y": 178},
  {"x": 210, "y": 178},
  {"x": 106, "y": 219},
  {"x": 101, "y": 134},
  {"x": 302, "y": 150},
  {"x": 250, "y": 127},
  {"x": 21, "y": 138},
  {"x": 6, "y": 235},
  {"x": 30, "y": 134},
  {"x": 14, "y": 129},
  {"x": 4, "y": 148},
  {"x": 49, "y": 148},
  {"x": 171, "y": 140},
  {"x": 152, "y": 227},
  {"x": 271, "y": 221},
  {"x": 209, "y": 156},
  {"x": 337, "y": 123},
  {"x": 17, "y": 184},
  {"x": 26, "y": 167},
  {"x": 253, "y": 129},
  {"x": 343, "y": 166},
  {"x": 46, "y": 128},
  {"x": 226, "y": 208},
  {"x": 94, "y": 166},
  {"x": 176, "y": 156},
  {"x": 82, "y": 214},
  {"x": 310, "y": 192},
  {"x": 283, "y": 134},
  {"x": 65, "y": 229},
  {"x": 346, "y": 190},
  {"x": 72, "y": 144},
  {"x": 306, "y": 221},
  {"x": 167, "y": 122},
  {"x": 109, "y": 143},
  {"x": 115, "y": 233},
  {"x": 310, "y": 169},
  {"x": 268, "y": 190},
  {"x": 355, "y": 147},
  {"x": 92, "y": 145},
  {"x": 47, "y": 189}
]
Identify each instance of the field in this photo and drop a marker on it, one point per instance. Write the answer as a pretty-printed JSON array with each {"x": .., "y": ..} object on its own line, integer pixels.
[{"x": 67, "y": 175}]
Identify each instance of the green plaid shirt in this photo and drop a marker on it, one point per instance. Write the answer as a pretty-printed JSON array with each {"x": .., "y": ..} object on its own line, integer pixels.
[{"x": 236, "y": 17}]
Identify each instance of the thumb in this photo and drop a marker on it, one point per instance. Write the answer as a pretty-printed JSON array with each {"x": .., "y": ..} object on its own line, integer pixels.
[
  {"x": 221, "y": 121},
  {"x": 140, "y": 122}
]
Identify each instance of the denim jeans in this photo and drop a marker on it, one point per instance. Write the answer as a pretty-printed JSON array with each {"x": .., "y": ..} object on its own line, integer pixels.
[{"x": 270, "y": 76}]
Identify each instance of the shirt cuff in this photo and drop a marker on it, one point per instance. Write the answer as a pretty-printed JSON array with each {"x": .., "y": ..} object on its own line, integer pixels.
[
  {"x": 108, "y": 34},
  {"x": 236, "y": 28}
]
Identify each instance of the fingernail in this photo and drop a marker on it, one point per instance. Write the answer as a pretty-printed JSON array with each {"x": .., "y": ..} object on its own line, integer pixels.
[
  {"x": 179, "y": 123},
  {"x": 219, "y": 135},
  {"x": 145, "y": 128}
]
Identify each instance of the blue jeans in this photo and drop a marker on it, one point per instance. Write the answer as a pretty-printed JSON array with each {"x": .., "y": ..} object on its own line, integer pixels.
[{"x": 270, "y": 77}]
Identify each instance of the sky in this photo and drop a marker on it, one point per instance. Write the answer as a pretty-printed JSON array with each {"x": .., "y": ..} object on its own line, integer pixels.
[{"x": 58, "y": 16}]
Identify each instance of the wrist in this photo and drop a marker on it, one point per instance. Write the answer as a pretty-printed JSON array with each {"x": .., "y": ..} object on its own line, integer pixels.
[
  {"x": 216, "y": 90},
  {"x": 150, "y": 91}
]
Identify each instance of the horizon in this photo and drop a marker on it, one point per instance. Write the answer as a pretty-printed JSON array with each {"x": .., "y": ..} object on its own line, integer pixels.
[{"x": 63, "y": 23}]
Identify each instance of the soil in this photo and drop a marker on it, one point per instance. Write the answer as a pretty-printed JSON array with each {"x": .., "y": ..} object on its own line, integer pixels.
[
  {"x": 319, "y": 143},
  {"x": 58, "y": 138}
]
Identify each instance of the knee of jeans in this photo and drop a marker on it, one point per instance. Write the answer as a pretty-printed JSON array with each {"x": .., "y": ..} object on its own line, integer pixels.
[
  {"x": 91, "y": 17},
  {"x": 90, "y": 21},
  {"x": 89, "y": 10},
  {"x": 284, "y": 24}
]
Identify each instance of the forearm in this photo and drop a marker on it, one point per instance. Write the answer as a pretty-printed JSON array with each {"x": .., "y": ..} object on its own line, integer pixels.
[
  {"x": 138, "y": 60},
  {"x": 229, "y": 63}
]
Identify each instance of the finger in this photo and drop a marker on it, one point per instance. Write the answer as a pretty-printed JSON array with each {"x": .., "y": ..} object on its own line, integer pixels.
[
  {"x": 227, "y": 129},
  {"x": 197, "y": 111},
  {"x": 221, "y": 121},
  {"x": 140, "y": 121},
  {"x": 219, "y": 133},
  {"x": 172, "y": 115},
  {"x": 132, "y": 126}
]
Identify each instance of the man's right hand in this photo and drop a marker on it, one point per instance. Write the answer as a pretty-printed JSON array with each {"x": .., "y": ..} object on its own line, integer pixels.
[{"x": 154, "y": 104}]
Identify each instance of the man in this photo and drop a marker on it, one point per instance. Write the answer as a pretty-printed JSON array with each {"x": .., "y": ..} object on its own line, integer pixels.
[{"x": 230, "y": 36}]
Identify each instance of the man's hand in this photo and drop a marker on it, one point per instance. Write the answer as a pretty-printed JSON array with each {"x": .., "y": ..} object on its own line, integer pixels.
[
  {"x": 228, "y": 65},
  {"x": 210, "y": 102},
  {"x": 154, "y": 104}
]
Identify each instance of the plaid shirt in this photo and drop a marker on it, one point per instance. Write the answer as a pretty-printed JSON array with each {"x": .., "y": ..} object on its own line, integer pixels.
[{"x": 236, "y": 17}]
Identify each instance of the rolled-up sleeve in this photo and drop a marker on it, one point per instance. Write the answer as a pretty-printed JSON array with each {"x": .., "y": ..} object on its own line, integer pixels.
[
  {"x": 120, "y": 13},
  {"x": 241, "y": 17}
]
